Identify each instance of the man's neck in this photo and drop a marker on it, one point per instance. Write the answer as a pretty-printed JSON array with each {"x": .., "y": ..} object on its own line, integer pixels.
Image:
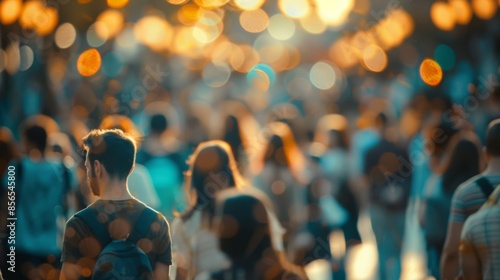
[
  {"x": 493, "y": 166},
  {"x": 115, "y": 190}
]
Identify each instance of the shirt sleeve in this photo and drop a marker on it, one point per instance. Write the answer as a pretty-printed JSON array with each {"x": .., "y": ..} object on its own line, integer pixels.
[
  {"x": 78, "y": 242},
  {"x": 163, "y": 242},
  {"x": 457, "y": 212}
]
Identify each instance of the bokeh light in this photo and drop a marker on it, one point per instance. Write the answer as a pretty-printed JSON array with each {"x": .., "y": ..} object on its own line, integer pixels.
[
  {"x": 177, "y": 2},
  {"x": 444, "y": 56},
  {"x": 374, "y": 58},
  {"x": 3, "y": 60},
  {"x": 154, "y": 32},
  {"x": 463, "y": 11},
  {"x": 281, "y": 27},
  {"x": 188, "y": 14},
  {"x": 322, "y": 75},
  {"x": 117, "y": 3},
  {"x": 112, "y": 64},
  {"x": 254, "y": 21},
  {"x": 443, "y": 16},
  {"x": 211, "y": 4},
  {"x": 30, "y": 11},
  {"x": 27, "y": 57},
  {"x": 10, "y": 11},
  {"x": 249, "y": 4},
  {"x": 294, "y": 8},
  {"x": 109, "y": 23},
  {"x": 13, "y": 58},
  {"x": 216, "y": 74},
  {"x": 313, "y": 24},
  {"x": 95, "y": 40},
  {"x": 208, "y": 27},
  {"x": 334, "y": 12},
  {"x": 65, "y": 35},
  {"x": 89, "y": 62},
  {"x": 484, "y": 9},
  {"x": 431, "y": 72}
]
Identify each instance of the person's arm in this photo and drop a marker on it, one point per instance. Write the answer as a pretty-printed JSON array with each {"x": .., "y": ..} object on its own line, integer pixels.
[
  {"x": 471, "y": 267},
  {"x": 470, "y": 263},
  {"x": 449, "y": 257},
  {"x": 70, "y": 271},
  {"x": 161, "y": 271}
]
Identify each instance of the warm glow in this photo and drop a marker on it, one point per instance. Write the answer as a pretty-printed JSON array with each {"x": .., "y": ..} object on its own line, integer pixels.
[
  {"x": 188, "y": 14},
  {"x": 65, "y": 35},
  {"x": 484, "y": 9},
  {"x": 117, "y": 3},
  {"x": 177, "y": 2},
  {"x": 281, "y": 27},
  {"x": 249, "y": 4},
  {"x": 185, "y": 44},
  {"x": 254, "y": 21},
  {"x": 221, "y": 51},
  {"x": 208, "y": 27},
  {"x": 154, "y": 32},
  {"x": 216, "y": 74},
  {"x": 294, "y": 8},
  {"x": 443, "y": 16},
  {"x": 109, "y": 23},
  {"x": 211, "y": 4},
  {"x": 243, "y": 58},
  {"x": 374, "y": 58},
  {"x": 89, "y": 62},
  {"x": 30, "y": 11},
  {"x": 10, "y": 11},
  {"x": 334, "y": 12},
  {"x": 322, "y": 76},
  {"x": 462, "y": 9},
  {"x": 431, "y": 72},
  {"x": 46, "y": 21},
  {"x": 313, "y": 24},
  {"x": 13, "y": 58},
  {"x": 343, "y": 54},
  {"x": 95, "y": 40},
  {"x": 3, "y": 60}
]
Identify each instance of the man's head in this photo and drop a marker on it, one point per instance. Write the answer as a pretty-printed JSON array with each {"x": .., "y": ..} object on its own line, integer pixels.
[
  {"x": 493, "y": 140},
  {"x": 158, "y": 124},
  {"x": 110, "y": 155}
]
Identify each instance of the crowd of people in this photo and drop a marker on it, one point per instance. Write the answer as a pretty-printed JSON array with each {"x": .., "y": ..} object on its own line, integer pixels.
[{"x": 244, "y": 203}]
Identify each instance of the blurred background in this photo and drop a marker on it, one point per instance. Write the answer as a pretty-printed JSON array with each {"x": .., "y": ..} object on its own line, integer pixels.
[{"x": 319, "y": 65}]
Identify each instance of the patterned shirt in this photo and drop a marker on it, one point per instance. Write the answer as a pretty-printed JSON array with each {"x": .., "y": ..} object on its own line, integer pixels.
[
  {"x": 468, "y": 198},
  {"x": 481, "y": 239}
]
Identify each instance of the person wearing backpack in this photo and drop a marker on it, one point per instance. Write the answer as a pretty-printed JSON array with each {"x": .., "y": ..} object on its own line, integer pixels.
[
  {"x": 468, "y": 198},
  {"x": 460, "y": 162},
  {"x": 117, "y": 236}
]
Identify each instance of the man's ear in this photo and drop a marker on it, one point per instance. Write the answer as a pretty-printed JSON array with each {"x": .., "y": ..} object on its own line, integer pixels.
[{"x": 98, "y": 168}]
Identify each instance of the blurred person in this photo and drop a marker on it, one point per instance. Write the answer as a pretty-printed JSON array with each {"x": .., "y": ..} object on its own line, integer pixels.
[
  {"x": 161, "y": 156},
  {"x": 141, "y": 185},
  {"x": 281, "y": 174},
  {"x": 388, "y": 173},
  {"x": 212, "y": 168},
  {"x": 43, "y": 189},
  {"x": 234, "y": 137},
  {"x": 243, "y": 229},
  {"x": 460, "y": 162},
  {"x": 110, "y": 158},
  {"x": 479, "y": 247},
  {"x": 468, "y": 198}
]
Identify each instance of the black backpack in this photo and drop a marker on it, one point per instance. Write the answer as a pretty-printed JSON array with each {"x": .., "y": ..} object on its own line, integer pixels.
[{"x": 121, "y": 259}]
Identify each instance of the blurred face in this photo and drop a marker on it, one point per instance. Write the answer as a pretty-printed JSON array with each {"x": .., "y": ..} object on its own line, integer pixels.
[{"x": 91, "y": 176}]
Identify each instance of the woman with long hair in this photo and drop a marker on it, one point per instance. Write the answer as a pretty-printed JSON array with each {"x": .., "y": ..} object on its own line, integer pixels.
[
  {"x": 244, "y": 233},
  {"x": 212, "y": 168},
  {"x": 281, "y": 174}
]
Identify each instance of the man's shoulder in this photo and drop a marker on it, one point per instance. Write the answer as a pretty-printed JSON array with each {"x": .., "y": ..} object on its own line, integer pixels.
[{"x": 469, "y": 187}]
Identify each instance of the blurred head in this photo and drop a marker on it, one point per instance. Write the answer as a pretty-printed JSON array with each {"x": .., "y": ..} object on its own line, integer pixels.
[
  {"x": 381, "y": 121},
  {"x": 439, "y": 137},
  {"x": 110, "y": 155},
  {"x": 158, "y": 124},
  {"x": 212, "y": 169},
  {"x": 244, "y": 231},
  {"x": 493, "y": 140},
  {"x": 35, "y": 139}
]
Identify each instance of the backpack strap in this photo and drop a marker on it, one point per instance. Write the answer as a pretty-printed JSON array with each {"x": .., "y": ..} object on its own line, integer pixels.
[
  {"x": 485, "y": 186},
  {"x": 143, "y": 224},
  {"x": 99, "y": 230}
]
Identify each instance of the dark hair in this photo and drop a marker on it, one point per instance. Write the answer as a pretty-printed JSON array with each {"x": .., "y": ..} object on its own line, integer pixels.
[
  {"x": 158, "y": 123},
  {"x": 114, "y": 149},
  {"x": 441, "y": 135},
  {"x": 36, "y": 136},
  {"x": 212, "y": 168},
  {"x": 233, "y": 137},
  {"x": 8, "y": 150},
  {"x": 493, "y": 138},
  {"x": 464, "y": 162},
  {"x": 275, "y": 152},
  {"x": 341, "y": 136}
]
